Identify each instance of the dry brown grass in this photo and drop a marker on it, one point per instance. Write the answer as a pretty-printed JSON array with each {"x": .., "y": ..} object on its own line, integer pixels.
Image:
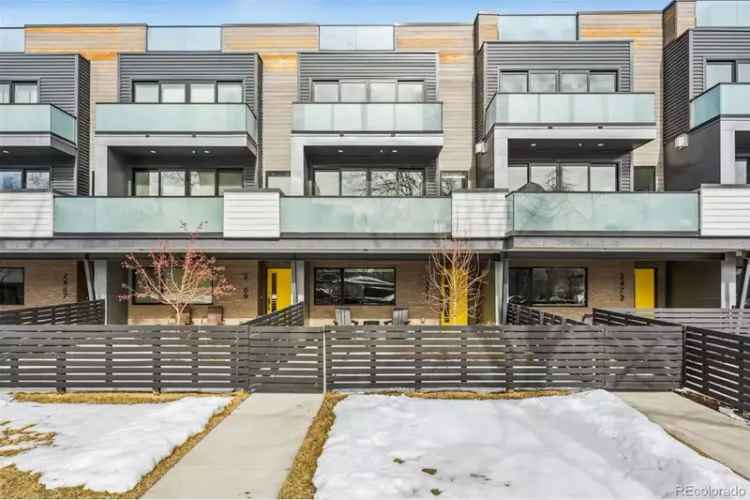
[
  {"x": 15, "y": 440},
  {"x": 18, "y": 484},
  {"x": 107, "y": 398},
  {"x": 299, "y": 481}
]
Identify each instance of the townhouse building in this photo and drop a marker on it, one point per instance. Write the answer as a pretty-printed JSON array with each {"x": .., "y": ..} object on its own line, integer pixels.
[{"x": 593, "y": 159}]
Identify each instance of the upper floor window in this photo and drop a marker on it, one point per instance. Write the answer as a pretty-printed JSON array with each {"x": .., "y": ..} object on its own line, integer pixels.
[
  {"x": 193, "y": 92},
  {"x": 19, "y": 93},
  {"x": 723, "y": 13},
  {"x": 368, "y": 91},
  {"x": 538, "y": 27},
  {"x": 726, "y": 72},
  {"x": 552, "y": 81},
  {"x": 564, "y": 176},
  {"x": 356, "y": 38},
  {"x": 19, "y": 179}
]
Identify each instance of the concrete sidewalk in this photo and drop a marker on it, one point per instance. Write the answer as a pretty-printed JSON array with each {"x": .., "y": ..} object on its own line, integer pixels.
[
  {"x": 718, "y": 436},
  {"x": 248, "y": 454}
]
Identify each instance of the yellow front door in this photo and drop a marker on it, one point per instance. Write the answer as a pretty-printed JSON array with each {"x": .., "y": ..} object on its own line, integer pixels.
[
  {"x": 278, "y": 289},
  {"x": 645, "y": 288},
  {"x": 456, "y": 306}
]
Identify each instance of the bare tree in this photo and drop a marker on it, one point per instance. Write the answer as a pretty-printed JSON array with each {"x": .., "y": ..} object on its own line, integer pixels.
[
  {"x": 176, "y": 280},
  {"x": 455, "y": 277}
]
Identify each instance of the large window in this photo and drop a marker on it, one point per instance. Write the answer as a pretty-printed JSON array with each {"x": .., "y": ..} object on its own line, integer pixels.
[
  {"x": 182, "y": 182},
  {"x": 19, "y": 93},
  {"x": 726, "y": 72},
  {"x": 355, "y": 286},
  {"x": 452, "y": 181},
  {"x": 368, "y": 91},
  {"x": 19, "y": 179},
  {"x": 553, "y": 81},
  {"x": 564, "y": 176},
  {"x": 204, "y": 297},
  {"x": 644, "y": 178},
  {"x": 11, "y": 286},
  {"x": 548, "y": 286},
  {"x": 397, "y": 182},
  {"x": 187, "y": 91}
]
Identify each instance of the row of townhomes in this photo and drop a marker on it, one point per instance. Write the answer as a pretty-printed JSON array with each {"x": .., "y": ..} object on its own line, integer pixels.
[{"x": 593, "y": 159}]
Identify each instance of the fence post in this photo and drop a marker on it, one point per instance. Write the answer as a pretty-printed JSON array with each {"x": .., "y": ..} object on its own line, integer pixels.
[
  {"x": 744, "y": 392},
  {"x": 156, "y": 361},
  {"x": 108, "y": 362},
  {"x": 14, "y": 368},
  {"x": 194, "y": 368},
  {"x": 373, "y": 344},
  {"x": 602, "y": 362},
  {"x": 325, "y": 361},
  {"x": 418, "y": 360},
  {"x": 704, "y": 364},
  {"x": 62, "y": 383},
  {"x": 508, "y": 365},
  {"x": 464, "y": 356}
]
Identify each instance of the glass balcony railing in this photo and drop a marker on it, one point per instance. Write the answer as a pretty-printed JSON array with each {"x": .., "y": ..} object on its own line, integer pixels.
[
  {"x": 136, "y": 215},
  {"x": 176, "y": 118},
  {"x": 722, "y": 99},
  {"x": 617, "y": 109},
  {"x": 604, "y": 212},
  {"x": 368, "y": 117},
  {"x": 365, "y": 216},
  {"x": 37, "y": 118}
]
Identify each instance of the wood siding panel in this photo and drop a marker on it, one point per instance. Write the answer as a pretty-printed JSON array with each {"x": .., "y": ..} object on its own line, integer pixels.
[
  {"x": 100, "y": 45},
  {"x": 26, "y": 215},
  {"x": 278, "y": 47},
  {"x": 252, "y": 214},
  {"x": 725, "y": 211},
  {"x": 645, "y": 30},
  {"x": 455, "y": 47},
  {"x": 482, "y": 214},
  {"x": 685, "y": 17}
]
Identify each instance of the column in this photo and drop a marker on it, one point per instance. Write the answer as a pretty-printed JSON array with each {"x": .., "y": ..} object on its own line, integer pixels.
[
  {"x": 500, "y": 275},
  {"x": 729, "y": 280},
  {"x": 298, "y": 281},
  {"x": 109, "y": 276}
]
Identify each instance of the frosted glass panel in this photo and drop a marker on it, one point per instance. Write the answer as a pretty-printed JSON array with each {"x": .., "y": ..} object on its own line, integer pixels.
[
  {"x": 11, "y": 40},
  {"x": 534, "y": 27},
  {"x": 368, "y": 117},
  {"x": 725, "y": 13},
  {"x": 356, "y": 38},
  {"x": 184, "y": 38}
]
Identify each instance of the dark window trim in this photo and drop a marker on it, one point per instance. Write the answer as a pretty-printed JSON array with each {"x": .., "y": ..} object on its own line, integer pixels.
[
  {"x": 188, "y": 95},
  {"x": 368, "y": 171},
  {"x": 559, "y": 164},
  {"x": 24, "y": 171},
  {"x": 186, "y": 171},
  {"x": 23, "y": 284},
  {"x": 12, "y": 90},
  {"x": 558, "y": 79},
  {"x": 530, "y": 269},
  {"x": 341, "y": 285},
  {"x": 368, "y": 90},
  {"x": 134, "y": 300},
  {"x": 653, "y": 177}
]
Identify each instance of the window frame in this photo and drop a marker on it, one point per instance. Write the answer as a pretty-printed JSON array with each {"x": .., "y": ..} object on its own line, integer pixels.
[
  {"x": 24, "y": 170},
  {"x": 530, "y": 270},
  {"x": 188, "y": 94},
  {"x": 559, "y": 164},
  {"x": 343, "y": 302},
  {"x": 23, "y": 285},
  {"x": 369, "y": 170},
  {"x": 558, "y": 79},
  {"x": 12, "y": 90},
  {"x": 186, "y": 172},
  {"x": 368, "y": 82}
]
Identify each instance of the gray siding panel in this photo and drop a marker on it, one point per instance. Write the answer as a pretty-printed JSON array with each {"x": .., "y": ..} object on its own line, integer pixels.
[
  {"x": 590, "y": 55},
  {"x": 715, "y": 44},
  {"x": 367, "y": 65},
  {"x": 56, "y": 74},
  {"x": 677, "y": 87},
  {"x": 188, "y": 66}
]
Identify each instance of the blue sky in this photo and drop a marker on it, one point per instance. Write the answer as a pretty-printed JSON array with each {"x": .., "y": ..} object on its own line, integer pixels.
[{"x": 20, "y": 12}]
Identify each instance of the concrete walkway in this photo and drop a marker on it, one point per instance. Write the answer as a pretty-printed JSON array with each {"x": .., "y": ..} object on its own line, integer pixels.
[
  {"x": 247, "y": 455},
  {"x": 718, "y": 436}
]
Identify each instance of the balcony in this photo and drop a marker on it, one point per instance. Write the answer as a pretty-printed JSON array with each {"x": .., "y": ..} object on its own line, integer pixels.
[
  {"x": 146, "y": 216},
  {"x": 635, "y": 213},
  {"x": 131, "y": 118},
  {"x": 571, "y": 109},
  {"x": 37, "y": 119},
  {"x": 722, "y": 99},
  {"x": 366, "y": 216},
  {"x": 421, "y": 117}
]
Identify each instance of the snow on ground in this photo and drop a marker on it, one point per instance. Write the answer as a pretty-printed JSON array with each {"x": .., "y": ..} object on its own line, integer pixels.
[
  {"x": 105, "y": 447},
  {"x": 588, "y": 445}
]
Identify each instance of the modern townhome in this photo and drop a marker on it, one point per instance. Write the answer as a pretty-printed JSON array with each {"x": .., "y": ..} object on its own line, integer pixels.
[{"x": 588, "y": 159}]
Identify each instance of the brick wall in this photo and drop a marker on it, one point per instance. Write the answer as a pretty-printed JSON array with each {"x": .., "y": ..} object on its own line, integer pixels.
[
  {"x": 243, "y": 274},
  {"x": 410, "y": 292},
  {"x": 46, "y": 282}
]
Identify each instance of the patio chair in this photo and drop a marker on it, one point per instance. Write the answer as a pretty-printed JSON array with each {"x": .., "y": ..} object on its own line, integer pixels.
[
  {"x": 343, "y": 316},
  {"x": 400, "y": 316}
]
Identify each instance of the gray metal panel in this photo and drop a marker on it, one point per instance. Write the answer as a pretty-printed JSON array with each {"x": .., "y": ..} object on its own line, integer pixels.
[
  {"x": 590, "y": 55},
  {"x": 367, "y": 65},
  {"x": 84, "y": 126},
  {"x": 56, "y": 74},
  {"x": 716, "y": 44},
  {"x": 677, "y": 87},
  {"x": 188, "y": 66}
]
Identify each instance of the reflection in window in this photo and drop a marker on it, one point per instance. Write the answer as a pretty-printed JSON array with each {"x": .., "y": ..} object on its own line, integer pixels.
[
  {"x": 354, "y": 286},
  {"x": 518, "y": 177},
  {"x": 603, "y": 178},
  {"x": 542, "y": 82},
  {"x": 354, "y": 183},
  {"x": 561, "y": 286},
  {"x": 202, "y": 183},
  {"x": 147, "y": 183},
  {"x": 545, "y": 176},
  {"x": 384, "y": 183},
  {"x": 172, "y": 183},
  {"x": 574, "y": 178},
  {"x": 11, "y": 180},
  {"x": 573, "y": 82},
  {"x": 227, "y": 92},
  {"x": 410, "y": 183},
  {"x": 326, "y": 183},
  {"x": 37, "y": 180},
  {"x": 452, "y": 181},
  {"x": 513, "y": 82},
  {"x": 230, "y": 180},
  {"x": 11, "y": 286}
]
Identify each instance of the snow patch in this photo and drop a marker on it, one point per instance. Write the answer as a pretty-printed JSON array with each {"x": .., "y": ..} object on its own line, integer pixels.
[
  {"x": 105, "y": 447},
  {"x": 588, "y": 445}
]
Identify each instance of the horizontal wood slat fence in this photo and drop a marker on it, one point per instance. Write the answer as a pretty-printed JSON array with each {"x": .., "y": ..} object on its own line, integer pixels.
[
  {"x": 726, "y": 320},
  {"x": 298, "y": 359},
  {"x": 716, "y": 363},
  {"x": 522, "y": 315},
  {"x": 293, "y": 315},
  {"x": 78, "y": 313}
]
